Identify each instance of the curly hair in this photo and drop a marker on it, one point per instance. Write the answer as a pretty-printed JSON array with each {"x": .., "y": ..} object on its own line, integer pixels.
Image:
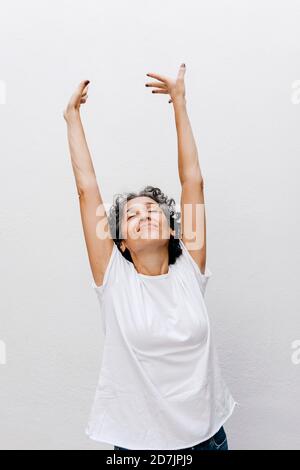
[{"x": 166, "y": 204}]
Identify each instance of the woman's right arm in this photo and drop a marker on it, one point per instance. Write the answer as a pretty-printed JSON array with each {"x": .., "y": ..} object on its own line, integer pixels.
[{"x": 95, "y": 225}]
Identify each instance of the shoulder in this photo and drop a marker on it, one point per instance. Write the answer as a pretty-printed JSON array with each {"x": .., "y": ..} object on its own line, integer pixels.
[
  {"x": 118, "y": 267},
  {"x": 186, "y": 262}
]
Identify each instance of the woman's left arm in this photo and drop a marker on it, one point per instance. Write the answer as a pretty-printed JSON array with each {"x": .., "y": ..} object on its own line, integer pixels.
[{"x": 193, "y": 223}]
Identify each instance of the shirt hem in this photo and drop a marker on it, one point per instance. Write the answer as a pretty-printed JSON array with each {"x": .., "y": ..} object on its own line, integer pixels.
[{"x": 96, "y": 438}]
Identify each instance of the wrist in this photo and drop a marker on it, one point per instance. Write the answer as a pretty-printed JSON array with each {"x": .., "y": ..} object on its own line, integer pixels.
[
  {"x": 179, "y": 101},
  {"x": 71, "y": 115}
]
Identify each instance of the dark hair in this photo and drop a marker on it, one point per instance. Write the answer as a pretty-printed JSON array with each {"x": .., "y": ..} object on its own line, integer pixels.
[{"x": 166, "y": 204}]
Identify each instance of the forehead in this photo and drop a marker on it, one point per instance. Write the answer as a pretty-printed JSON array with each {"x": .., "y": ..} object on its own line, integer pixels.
[{"x": 139, "y": 201}]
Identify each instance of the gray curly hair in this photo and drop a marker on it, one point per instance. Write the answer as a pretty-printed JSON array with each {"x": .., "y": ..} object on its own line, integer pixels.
[{"x": 165, "y": 203}]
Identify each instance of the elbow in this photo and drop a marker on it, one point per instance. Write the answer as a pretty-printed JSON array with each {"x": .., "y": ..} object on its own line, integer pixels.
[
  {"x": 194, "y": 175},
  {"x": 194, "y": 179},
  {"x": 87, "y": 188}
]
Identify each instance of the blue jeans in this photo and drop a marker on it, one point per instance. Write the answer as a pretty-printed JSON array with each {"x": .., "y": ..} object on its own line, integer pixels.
[{"x": 217, "y": 442}]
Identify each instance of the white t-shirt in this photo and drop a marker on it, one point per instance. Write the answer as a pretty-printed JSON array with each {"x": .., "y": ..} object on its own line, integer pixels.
[{"x": 160, "y": 384}]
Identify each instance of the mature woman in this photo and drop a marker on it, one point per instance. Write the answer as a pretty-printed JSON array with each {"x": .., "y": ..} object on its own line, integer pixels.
[{"x": 160, "y": 385}]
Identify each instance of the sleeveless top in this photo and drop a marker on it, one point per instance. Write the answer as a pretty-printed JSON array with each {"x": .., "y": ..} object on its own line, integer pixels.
[{"x": 160, "y": 384}]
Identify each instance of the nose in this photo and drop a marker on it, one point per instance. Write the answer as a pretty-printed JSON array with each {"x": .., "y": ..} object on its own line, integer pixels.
[{"x": 144, "y": 215}]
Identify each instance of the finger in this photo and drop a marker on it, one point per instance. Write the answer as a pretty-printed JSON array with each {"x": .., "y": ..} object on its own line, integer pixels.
[
  {"x": 82, "y": 88},
  {"x": 82, "y": 85},
  {"x": 160, "y": 91},
  {"x": 181, "y": 71},
  {"x": 157, "y": 84},
  {"x": 78, "y": 92},
  {"x": 161, "y": 78}
]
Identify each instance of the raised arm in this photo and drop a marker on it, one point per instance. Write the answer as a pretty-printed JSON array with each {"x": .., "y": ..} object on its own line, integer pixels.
[
  {"x": 98, "y": 241},
  {"x": 193, "y": 223}
]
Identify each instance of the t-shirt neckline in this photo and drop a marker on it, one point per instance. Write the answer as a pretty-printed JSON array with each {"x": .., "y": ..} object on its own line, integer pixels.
[{"x": 158, "y": 276}]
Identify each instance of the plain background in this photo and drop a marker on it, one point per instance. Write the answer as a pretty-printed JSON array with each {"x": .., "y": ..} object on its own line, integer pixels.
[{"x": 242, "y": 58}]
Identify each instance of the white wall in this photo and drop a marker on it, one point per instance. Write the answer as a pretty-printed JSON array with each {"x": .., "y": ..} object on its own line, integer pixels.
[{"x": 242, "y": 58}]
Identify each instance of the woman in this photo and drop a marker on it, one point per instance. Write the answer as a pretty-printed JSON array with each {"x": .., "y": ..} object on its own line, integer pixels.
[{"x": 160, "y": 385}]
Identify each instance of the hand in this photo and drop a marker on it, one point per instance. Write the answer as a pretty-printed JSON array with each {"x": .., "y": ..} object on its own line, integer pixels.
[
  {"x": 79, "y": 96},
  {"x": 175, "y": 88}
]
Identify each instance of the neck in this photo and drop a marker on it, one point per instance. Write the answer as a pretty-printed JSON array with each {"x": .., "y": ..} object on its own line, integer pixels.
[{"x": 151, "y": 261}]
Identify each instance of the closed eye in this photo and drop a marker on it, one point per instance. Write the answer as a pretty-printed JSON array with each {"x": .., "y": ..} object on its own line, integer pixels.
[{"x": 149, "y": 211}]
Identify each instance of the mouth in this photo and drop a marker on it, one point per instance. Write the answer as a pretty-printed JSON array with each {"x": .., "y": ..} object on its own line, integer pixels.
[{"x": 151, "y": 224}]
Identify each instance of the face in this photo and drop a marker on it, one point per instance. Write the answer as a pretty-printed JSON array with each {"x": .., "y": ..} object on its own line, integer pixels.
[{"x": 144, "y": 224}]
